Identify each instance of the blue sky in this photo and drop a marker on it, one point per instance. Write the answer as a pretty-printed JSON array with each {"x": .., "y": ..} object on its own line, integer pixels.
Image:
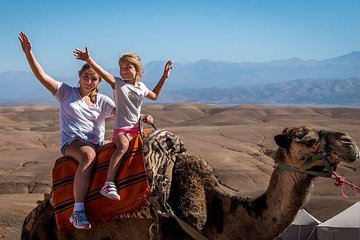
[{"x": 184, "y": 31}]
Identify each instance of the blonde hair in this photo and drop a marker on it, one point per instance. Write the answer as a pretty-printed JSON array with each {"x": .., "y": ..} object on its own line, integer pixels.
[
  {"x": 95, "y": 91},
  {"x": 135, "y": 60}
]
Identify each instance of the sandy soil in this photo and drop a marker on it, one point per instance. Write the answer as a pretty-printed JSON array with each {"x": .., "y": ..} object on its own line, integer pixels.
[{"x": 231, "y": 139}]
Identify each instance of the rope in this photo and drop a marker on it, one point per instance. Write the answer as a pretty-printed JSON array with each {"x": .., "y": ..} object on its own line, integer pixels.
[
  {"x": 185, "y": 226},
  {"x": 154, "y": 229},
  {"x": 341, "y": 181},
  {"x": 190, "y": 230}
]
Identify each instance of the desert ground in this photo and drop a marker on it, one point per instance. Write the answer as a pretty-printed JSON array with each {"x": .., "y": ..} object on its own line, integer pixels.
[{"x": 231, "y": 138}]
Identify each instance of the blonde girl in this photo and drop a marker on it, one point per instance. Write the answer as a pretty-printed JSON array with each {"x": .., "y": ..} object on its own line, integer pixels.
[{"x": 129, "y": 93}]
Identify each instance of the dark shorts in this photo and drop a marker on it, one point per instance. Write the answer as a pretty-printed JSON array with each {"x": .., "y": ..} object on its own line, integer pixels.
[{"x": 94, "y": 146}]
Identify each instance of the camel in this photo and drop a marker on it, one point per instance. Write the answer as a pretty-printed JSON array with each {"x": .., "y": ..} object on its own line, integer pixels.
[{"x": 197, "y": 197}]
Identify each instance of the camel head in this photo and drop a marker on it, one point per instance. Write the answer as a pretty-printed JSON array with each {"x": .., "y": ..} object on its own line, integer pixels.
[{"x": 308, "y": 150}]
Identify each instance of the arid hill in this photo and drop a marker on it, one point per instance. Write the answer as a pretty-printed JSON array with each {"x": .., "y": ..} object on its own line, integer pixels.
[{"x": 233, "y": 139}]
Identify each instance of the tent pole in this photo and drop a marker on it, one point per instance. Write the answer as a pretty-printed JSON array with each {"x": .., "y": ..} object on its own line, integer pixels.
[{"x": 312, "y": 232}]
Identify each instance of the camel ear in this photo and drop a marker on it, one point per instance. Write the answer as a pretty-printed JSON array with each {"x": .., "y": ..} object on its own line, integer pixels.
[{"x": 282, "y": 141}]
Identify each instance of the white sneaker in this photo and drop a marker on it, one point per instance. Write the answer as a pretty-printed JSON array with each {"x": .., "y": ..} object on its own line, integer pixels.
[{"x": 110, "y": 191}]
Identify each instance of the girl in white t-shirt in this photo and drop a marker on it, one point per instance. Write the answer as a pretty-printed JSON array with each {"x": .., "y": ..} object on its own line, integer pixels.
[
  {"x": 82, "y": 113},
  {"x": 129, "y": 94}
]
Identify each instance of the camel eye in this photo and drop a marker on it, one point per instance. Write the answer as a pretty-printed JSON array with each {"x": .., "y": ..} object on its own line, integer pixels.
[{"x": 310, "y": 143}]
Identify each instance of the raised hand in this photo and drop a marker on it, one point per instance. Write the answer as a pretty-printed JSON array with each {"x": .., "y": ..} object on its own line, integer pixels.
[
  {"x": 46, "y": 80},
  {"x": 82, "y": 55},
  {"x": 167, "y": 69},
  {"x": 147, "y": 119},
  {"x": 25, "y": 42},
  {"x": 85, "y": 56}
]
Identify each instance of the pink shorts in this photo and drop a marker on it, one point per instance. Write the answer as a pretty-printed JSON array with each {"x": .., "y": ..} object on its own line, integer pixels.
[{"x": 126, "y": 131}]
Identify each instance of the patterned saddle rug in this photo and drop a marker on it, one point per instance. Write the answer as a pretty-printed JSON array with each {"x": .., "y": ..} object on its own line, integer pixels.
[{"x": 131, "y": 180}]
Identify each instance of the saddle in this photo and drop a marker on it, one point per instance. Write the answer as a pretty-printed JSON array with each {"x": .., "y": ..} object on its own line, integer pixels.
[{"x": 131, "y": 180}]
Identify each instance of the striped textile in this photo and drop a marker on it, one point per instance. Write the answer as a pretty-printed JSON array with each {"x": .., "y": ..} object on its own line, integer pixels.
[{"x": 131, "y": 181}]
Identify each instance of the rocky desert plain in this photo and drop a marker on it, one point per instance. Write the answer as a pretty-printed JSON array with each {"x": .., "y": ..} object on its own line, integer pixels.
[{"x": 233, "y": 139}]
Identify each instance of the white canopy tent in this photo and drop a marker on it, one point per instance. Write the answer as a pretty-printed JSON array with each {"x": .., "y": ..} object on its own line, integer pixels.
[
  {"x": 344, "y": 226},
  {"x": 302, "y": 228}
]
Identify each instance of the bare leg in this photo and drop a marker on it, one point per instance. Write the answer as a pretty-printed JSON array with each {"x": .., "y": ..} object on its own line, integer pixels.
[
  {"x": 122, "y": 145},
  {"x": 109, "y": 189},
  {"x": 85, "y": 155}
]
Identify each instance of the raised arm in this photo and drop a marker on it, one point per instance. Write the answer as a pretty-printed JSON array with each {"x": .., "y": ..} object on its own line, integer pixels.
[
  {"x": 85, "y": 56},
  {"x": 46, "y": 80},
  {"x": 155, "y": 93}
]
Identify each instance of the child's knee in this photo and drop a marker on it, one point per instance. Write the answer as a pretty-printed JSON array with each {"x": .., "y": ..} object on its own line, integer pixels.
[
  {"x": 122, "y": 142},
  {"x": 88, "y": 157}
]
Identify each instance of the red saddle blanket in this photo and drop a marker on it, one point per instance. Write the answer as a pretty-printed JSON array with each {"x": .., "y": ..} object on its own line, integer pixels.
[{"x": 131, "y": 181}]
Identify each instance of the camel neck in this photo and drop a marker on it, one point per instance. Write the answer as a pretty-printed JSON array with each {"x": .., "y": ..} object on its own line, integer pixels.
[{"x": 275, "y": 208}]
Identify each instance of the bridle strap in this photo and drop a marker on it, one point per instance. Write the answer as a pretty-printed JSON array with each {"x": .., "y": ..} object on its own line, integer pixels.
[{"x": 327, "y": 172}]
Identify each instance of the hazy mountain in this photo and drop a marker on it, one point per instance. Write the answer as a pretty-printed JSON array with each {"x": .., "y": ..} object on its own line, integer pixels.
[
  {"x": 205, "y": 74},
  {"x": 22, "y": 87},
  {"x": 245, "y": 82},
  {"x": 298, "y": 92}
]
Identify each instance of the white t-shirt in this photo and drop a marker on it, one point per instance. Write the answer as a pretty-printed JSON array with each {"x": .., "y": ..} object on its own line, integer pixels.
[
  {"x": 128, "y": 100},
  {"x": 77, "y": 119}
]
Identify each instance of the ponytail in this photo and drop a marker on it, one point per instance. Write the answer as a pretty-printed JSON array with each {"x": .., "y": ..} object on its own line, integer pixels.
[{"x": 93, "y": 94}]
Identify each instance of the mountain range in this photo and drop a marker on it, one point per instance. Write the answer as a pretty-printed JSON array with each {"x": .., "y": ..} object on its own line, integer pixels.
[
  {"x": 309, "y": 92},
  {"x": 334, "y": 81}
]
